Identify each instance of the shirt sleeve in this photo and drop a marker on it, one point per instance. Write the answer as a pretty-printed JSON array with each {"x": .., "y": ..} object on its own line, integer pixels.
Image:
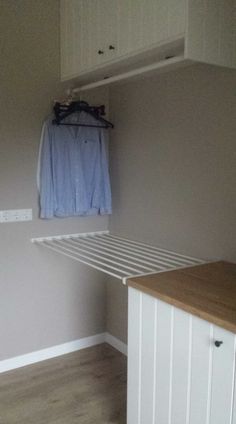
[{"x": 46, "y": 191}]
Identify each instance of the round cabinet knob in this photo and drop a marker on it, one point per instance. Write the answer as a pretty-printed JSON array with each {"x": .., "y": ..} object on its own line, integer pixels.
[
  {"x": 100, "y": 52},
  {"x": 218, "y": 343},
  {"x": 111, "y": 47}
]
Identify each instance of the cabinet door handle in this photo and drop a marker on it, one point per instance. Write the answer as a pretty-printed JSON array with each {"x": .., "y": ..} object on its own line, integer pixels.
[
  {"x": 100, "y": 52},
  {"x": 111, "y": 47},
  {"x": 218, "y": 343}
]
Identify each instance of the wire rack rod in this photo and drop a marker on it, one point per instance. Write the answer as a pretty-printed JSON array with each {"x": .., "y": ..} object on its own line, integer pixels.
[
  {"x": 146, "y": 247},
  {"x": 80, "y": 259},
  {"x": 89, "y": 248},
  {"x": 85, "y": 252},
  {"x": 116, "y": 256},
  {"x": 118, "y": 246},
  {"x": 121, "y": 251}
]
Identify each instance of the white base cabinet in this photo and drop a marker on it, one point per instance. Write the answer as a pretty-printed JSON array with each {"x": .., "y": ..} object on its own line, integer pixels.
[{"x": 176, "y": 373}]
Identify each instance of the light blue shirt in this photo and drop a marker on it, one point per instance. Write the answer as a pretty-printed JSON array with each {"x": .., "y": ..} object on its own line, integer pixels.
[{"x": 73, "y": 169}]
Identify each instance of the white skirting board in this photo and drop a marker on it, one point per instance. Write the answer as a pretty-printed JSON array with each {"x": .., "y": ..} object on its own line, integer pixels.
[
  {"x": 62, "y": 349},
  {"x": 116, "y": 343}
]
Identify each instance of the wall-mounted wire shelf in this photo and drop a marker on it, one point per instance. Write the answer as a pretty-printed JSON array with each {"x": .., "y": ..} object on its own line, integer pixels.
[{"x": 119, "y": 257}]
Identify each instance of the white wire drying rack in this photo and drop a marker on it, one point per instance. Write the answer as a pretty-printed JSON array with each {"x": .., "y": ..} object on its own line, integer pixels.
[
  {"x": 119, "y": 257},
  {"x": 116, "y": 256}
]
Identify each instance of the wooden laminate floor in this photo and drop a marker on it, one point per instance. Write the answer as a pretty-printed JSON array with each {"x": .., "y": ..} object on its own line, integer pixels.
[{"x": 85, "y": 387}]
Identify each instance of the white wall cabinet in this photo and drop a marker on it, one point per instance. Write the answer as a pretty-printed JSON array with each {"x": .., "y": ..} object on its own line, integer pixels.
[
  {"x": 94, "y": 32},
  {"x": 176, "y": 374},
  {"x": 101, "y": 38}
]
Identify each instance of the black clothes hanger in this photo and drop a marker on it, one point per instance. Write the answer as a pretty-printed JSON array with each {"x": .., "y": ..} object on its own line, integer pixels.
[{"x": 63, "y": 110}]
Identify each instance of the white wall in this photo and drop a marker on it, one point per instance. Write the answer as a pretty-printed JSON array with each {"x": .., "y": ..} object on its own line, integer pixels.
[{"x": 173, "y": 161}]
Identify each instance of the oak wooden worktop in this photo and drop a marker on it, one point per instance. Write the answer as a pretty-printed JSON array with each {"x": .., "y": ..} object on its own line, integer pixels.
[{"x": 208, "y": 291}]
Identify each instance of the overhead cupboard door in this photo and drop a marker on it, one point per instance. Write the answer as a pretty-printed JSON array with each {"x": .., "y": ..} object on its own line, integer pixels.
[
  {"x": 142, "y": 24},
  {"x": 88, "y": 35},
  {"x": 162, "y": 20},
  {"x": 68, "y": 37},
  {"x": 109, "y": 23},
  {"x": 102, "y": 31},
  {"x": 180, "y": 367},
  {"x": 76, "y": 37},
  {"x": 129, "y": 26}
]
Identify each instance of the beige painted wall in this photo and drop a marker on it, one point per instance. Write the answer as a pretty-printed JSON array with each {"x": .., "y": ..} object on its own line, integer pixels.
[
  {"x": 173, "y": 180},
  {"x": 173, "y": 161},
  {"x": 45, "y": 299}
]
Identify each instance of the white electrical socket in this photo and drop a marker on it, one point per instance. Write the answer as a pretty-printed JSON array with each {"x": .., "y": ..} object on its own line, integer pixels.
[{"x": 15, "y": 215}]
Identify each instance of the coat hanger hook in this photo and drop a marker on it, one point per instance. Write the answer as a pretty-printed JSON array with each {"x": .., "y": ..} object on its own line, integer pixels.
[{"x": 71, "y": 95}]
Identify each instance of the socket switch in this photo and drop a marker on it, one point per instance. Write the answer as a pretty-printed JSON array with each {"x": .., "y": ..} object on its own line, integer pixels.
[{"x": 16, "y": 215}]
